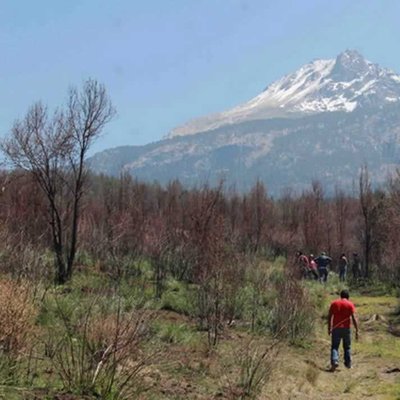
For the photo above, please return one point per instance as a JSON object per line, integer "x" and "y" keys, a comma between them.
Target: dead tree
{"x": 372, "y": 210}
{"x": 341, "y": 216}
{"x": 54, "y": 149}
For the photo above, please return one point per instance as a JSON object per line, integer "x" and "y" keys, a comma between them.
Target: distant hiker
{"x": 322, "y": 262}
{"x": 356, "y": 266}
{"x": 340, "y": 313}
{"x": 342, "y": 267}
{"x": 303, "y": 263}
{"x": 313, "y": 268}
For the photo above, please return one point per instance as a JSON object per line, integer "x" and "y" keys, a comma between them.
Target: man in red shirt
{"x": 341, "y": 313}
{"x": 303, "y": 263}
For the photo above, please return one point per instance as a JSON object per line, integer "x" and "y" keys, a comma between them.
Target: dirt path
{"x": 305, "y": 374}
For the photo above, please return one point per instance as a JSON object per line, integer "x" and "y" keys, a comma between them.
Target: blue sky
{"x": 166, "y": 61}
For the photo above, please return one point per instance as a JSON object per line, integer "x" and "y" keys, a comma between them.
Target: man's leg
{"x": 335, "y": 348}
{"x": 322, "y": 274}
{"x": 347, "y": 347}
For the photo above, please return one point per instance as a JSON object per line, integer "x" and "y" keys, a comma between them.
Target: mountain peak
{"x": 350, "y": 64}
{"x": 350, "y": 55}
{"x": 342, "y": 84}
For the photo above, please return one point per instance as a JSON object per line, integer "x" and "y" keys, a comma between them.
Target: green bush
{"x": 177, "y": 297}
{"x": 256, "y": 306}
{"x": 294, "y": 314}
{"x": 170, "y": 332}
{"x": 319, "y": 295}
{"x": 95, "y": 347}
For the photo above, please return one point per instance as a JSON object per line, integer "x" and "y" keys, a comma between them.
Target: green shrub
{"x": 170, "y": 332}
{"x": 249, "y": 368}
{"x": 319, "y": 295}
{"x": 294, "y": 314}
{"x": 84, "y": 259}
{"x": 98, "y": 351}
{"x": 177, "y": 297}
{"x": 256, "y": 306}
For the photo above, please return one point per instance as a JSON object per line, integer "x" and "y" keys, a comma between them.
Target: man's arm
{"x": 330, "y": 315}
{"x": 355, "y": 322}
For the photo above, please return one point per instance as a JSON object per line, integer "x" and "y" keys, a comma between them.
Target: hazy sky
{"x": 166, "y": 61}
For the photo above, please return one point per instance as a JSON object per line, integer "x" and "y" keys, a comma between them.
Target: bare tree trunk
{"x": 367, "y": 205}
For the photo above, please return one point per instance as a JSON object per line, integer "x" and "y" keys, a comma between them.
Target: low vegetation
{"x": 93, "y": 338}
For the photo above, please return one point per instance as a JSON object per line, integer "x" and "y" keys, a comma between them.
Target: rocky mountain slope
{"x": 322, "y": 122}
{"x": 342, "y": 84}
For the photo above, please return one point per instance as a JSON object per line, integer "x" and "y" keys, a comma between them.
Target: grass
{"x": 177, "y": 333}
{"x": 312, "y": 374}
{"x": 303, "y": 372}
{"x": 178, "y": 297}
{"x": 186, "y": 368}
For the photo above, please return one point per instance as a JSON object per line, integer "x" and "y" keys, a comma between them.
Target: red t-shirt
{"x": 303, "y": 260}
{"x": 342, "y": 310}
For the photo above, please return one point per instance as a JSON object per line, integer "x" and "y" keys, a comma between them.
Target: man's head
{"x": 344, "y": 294}
{"x": 323, "y": 253}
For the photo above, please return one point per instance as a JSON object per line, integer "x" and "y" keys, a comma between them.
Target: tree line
{"x": 188, "y": 232}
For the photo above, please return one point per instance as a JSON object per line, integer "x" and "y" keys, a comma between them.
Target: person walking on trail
{"x": 342, "y": 267}
{"x": 322, "y": 262}
{"x": 341, "y": 312}
{"x": 313, "y": 267}
{"x": 303, "y": 263}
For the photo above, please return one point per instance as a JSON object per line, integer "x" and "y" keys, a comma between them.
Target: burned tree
{"x": 372, "y": 206}
{"x": 54, "y": 149}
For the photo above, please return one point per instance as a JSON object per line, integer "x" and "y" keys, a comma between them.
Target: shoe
{"x": 348, "y": 366}
{"x": 334, "y": 365}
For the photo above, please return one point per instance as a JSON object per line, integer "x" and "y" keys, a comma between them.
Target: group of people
{"x": 318, "y": 267}
{"x": 341, "y": 311}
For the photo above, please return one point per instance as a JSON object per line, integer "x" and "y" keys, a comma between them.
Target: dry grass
{"x": 312, "y": 374}
{"x": 17, "y": 316}
{"x": 101, "y": 353}
{"x": 251, "y": 368}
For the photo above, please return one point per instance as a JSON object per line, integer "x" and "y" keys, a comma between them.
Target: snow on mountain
{"x": 342, "y": 84}
{"x": 263, "y": 138}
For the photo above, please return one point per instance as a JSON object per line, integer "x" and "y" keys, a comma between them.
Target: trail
{"x": 189, "y": 371}
{"x": 305, "y": 374}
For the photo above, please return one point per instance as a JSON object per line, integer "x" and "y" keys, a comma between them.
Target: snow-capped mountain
{"x": 322, "y": 122}
{"x": 342, "y": 84}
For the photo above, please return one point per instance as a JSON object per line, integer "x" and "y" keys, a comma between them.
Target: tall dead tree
{"x": 54, "y": 149}
{"x": 372, "y": 210}
{"x": 341, "y": 216}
